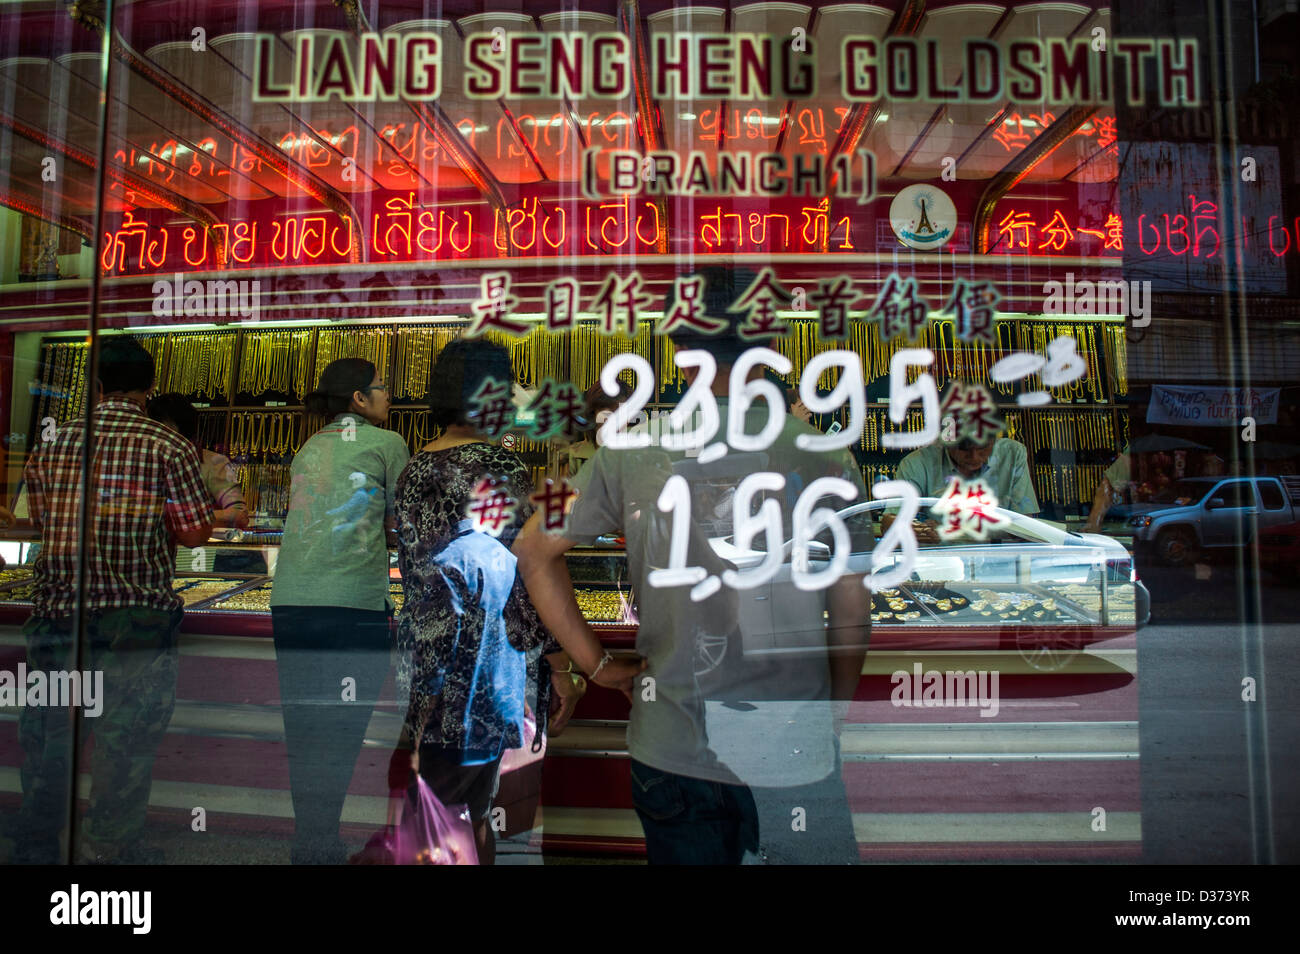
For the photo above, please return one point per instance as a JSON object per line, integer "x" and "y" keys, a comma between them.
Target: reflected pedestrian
{"x": 330, "y": 607}
{"x": 147, "y": 497}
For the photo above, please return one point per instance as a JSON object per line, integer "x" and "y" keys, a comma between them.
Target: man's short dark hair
{"x": 970, "y": 443}
{"x": 124, "y": 365}
{"x": 723, "y": 286}
{"x": 458, "y": 374}
{"x": 176, "y": 411}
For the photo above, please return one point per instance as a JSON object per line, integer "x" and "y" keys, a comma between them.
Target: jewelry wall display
{"x": 417, "y": 350}
{"x": 1116, "y": 342}
{"x": 1014, "y": 425}
{"x": 526, "y": 445}
{"x": 864, "y": 340}
{"x": 373, "y": 344}
{"x": 878, "y": 423}
{"x": 801, "y": 343}
{"x": 157, "y": 346}
{"x": 289, "y": 362}
{"x": 63, "y": 381}
{"x": 538, "y": 355}
{"x": 874, "y": 473}
{"x": 1071, "y": 486}
{"x": 589, "y": 350}
{"x": 212, "y": 429}
{"x": 255, "y": 433}
{"x": 275, "y": 361}
{"x": 265, "y": 486}
{"x": 1034, "y": 336}
{"x": 1045, "y": 483}
{"x": 199, "y": 364}
{"x": 1071, "y": 430}
{"x": 670, "y": 376}
{"x": 1086, "y": 335}
{"x": 414, "y": 427}
{"x": 314, "y": 423}
{"x": 1090, "y": 476}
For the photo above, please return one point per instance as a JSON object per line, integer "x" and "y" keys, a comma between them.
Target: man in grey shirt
{"x": 733, "y": 730}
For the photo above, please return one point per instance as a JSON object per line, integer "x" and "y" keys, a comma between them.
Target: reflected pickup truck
{"x": 1203, "y": 513}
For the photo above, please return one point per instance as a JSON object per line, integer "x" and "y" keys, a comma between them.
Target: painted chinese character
{"x": 621, "y": 299}
{"x": 493, "y": 307}
{"x": 557, "y": 406}
{"x": 833, "y": 298}
{"x": 688, "y": 309}
{"x": 561, "y": 304}
{"x": 1058, "y": 232}
{"x": 899, "y": 310}
{"x": 553, "y": 502}
{"x": 491, "y": 507}
{"x": 969, "y": 510}
{"x": 973, "y": 411}
{"x": 491, "y": 408}
{"x": 972, "y": 307}
{"x": 759, "y": 302}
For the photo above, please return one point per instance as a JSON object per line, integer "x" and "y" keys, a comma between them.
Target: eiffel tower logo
{"x": 924, "y": 225}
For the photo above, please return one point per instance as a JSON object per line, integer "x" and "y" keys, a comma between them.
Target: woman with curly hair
{"x": 468, "y": 631}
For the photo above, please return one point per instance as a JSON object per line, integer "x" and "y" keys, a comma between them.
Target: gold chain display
{"x": 1116, "y": 341}
{"x": 590, "y": 349}
{"x": 801, "y": 344}
{"x": 373, "y": 344}
{"x": 275, "y": 361}
{"x": 199, "y": 364}
{"x": 535, "y": 356}
{"x": 289, "y": 362}
{"x": 417, "y": 351}
{"x": 63, "y": 381}
{"x": 414, "y": 427}
{"x": 265, "y": 487}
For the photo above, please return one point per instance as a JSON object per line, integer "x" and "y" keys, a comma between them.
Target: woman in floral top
{"x": 467, "y": 625}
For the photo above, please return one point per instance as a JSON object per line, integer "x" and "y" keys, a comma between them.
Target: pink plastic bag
{"x": 431, "y": 833}
{"x": 516, "y": 759}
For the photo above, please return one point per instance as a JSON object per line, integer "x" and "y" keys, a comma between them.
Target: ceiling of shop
{"x": 185, "y": 129}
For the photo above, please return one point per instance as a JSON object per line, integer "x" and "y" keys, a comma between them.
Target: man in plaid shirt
{"x": 147, "y": 496}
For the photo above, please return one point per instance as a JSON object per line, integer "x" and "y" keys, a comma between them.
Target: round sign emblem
{"x": 508, "y": 441}
{"x": 923, "y": 217}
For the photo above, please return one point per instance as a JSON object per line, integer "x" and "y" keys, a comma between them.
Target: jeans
{"x": 325, "y": 717}
{"x": 692, "y": 821}
{"x": 135, "y": 650}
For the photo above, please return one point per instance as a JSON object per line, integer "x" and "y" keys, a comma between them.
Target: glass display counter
{"x": 1034, "y": 575}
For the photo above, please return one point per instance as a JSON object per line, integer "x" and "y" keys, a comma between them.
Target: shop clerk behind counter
{"x": 1003, "y": 464}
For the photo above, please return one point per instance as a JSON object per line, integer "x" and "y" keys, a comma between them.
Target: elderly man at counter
{"x": 1003, "y": 465}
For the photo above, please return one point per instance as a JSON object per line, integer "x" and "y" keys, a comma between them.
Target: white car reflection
{"x": 1031, "y": 575}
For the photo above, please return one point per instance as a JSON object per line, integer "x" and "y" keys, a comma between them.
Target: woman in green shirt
{"x": 329, "y": 603}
